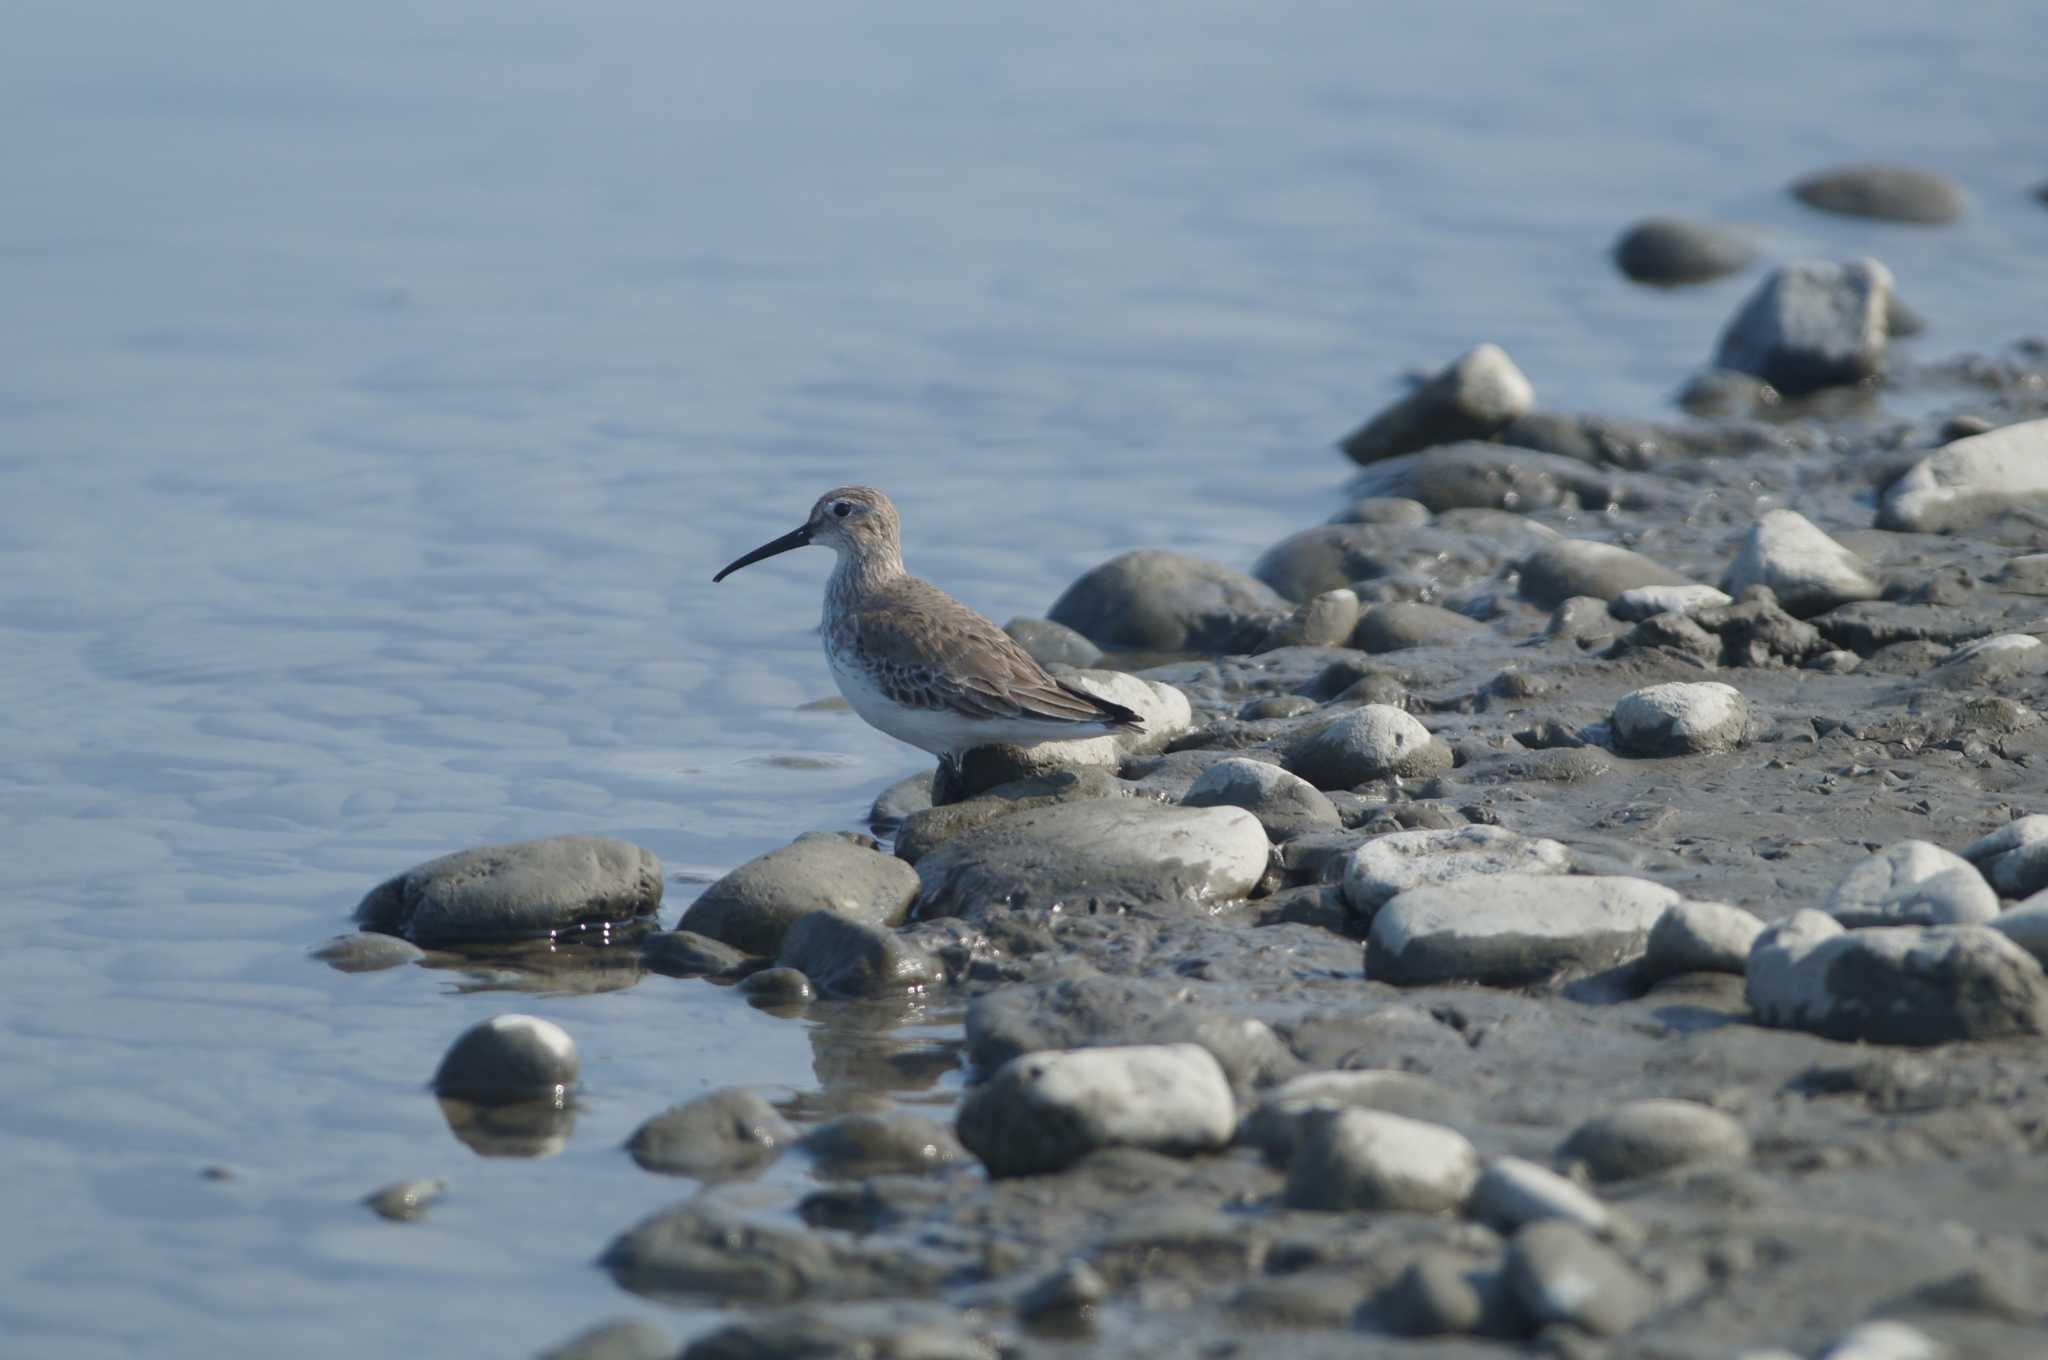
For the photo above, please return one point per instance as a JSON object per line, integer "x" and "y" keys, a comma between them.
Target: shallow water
{"x": 382, "y": 388}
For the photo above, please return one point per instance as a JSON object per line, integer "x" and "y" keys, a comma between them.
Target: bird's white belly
{"x": 940, "y": 730}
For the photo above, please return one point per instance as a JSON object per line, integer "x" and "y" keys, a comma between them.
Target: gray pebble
{"x": 778, "y": 987}
{"x": 847, "y": 958}
{"x": 1889, "y": 193}
{"x": 367, "y": 952}
{"x": 1436, "y": 1294}
{"x": 1156, "y": 601}
{"x": 1512, "y": 1192}
{"x": 881, "y": 1143}
{"x": 1053, "y": 644}
{"x": 1560, "y": 1274}
{"x": 1971, "y": 480}
{"x": 1276, "y": 1123}
{"x": 2026, "y": 925}
{"x": 1644, "y": 602}
{"x": 684, "y": 953}
{"x": 1811, "y": 325}
{"x": 725, "y": 1133}
{"x": 752, "y": 907}
{"x": 1808, "y": 571}
{"x": 1700, "y": 937}
{"x": 1884, "y": 1339}
{"x": 1512, "y": 930}
{"x": 523, "y": 890}
{"x": 1276, "y": 706}
{"x": 1377, "y": 741}
{"x": 1383, "y": 510}
{"x": 1042, "y": 1112}
{"x": 1478, "y": 393}
{"x": 1672, "y": 250}
{"x": 1400, "y": 860}
{"x": 1404, "y": 624}
{"x": 508, "y": 1058}
{"x": 1285, "y": 804}
{"x": 1680, "y": 719}
{"x": 404, "y": 1201}
{"x": 1324, "y": 620}
{"x": 1645, "y": 1137}
{"x": 1347, "y": 1159}
{"x": 1912, "y": 883}
{"x": 1558, "y": 571}
{"x": 911, "y": 794}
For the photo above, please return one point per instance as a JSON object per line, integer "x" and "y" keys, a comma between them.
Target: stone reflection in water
{"x": 582, "y": 961}
{"x": 859, "y": 1047}
{"x": 528, "y": 1128}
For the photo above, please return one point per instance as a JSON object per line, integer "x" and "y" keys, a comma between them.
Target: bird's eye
{"x": 841, "y": 509}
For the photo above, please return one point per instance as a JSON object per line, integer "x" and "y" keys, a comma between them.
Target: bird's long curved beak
{"x": 795, "y": 538}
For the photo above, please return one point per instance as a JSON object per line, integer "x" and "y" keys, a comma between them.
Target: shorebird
{"x": 915, "y": 662}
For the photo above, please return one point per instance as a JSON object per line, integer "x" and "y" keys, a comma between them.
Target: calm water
{"x": 381, "y": 387}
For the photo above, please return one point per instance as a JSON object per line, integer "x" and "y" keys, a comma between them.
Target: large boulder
{"x": 1157, "y": 601}
{"x": 522, "y": 890}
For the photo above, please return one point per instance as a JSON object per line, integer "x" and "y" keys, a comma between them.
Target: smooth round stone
{"x": 684, "y": 954}
{"x": 847, "y": 958}
{"x": 1156, "y": 601}
{"x": 902, "y": 799}
{"x": 1275, "y": 1124}
{"x": 1377, "y": 741}
{"x": 1700, "y": 937}
{"x": 1560, "y": 1274}
{"x": 1043, "y": 1112}
{"x": 1512, "y": 1192}
{"x": 1065, "y": 1300}
{"x": 1400, "y": 860}
{"x": 1347, "y": 1159}
{"x": 1915, "y": 985}
{"x": 710, "y": 1250}
{"x": 1285, "y": 804}
{"x": 1912, "y": 883}
{"x": 1512, "y": 930}
{"x": 923, "y": 832}
{"x": 754, "y": 906}
{"x": 1889, "y": 193}
{"x": 774, "y": 987}
{"x": 1483, "y": 475}
{"x": 405, "y": 1201}
{"x": 1276, "y": 706}
{"x": 1646, "y": 602}
{"x": 1383, "y": 510}
{"x": 1570, "y": 567}
{"x": 880, "y": 1143}
{"x": 1121, "y": 853}
{"x": 2016, "y": 834}
{"x": 623, "y": 1339}
{"x": 1884, "y": 1339}
{"x": 717, "y": 1135}
{"x": 367, "y": 952}
{"x": 1324, "y": 620}
{"x": 1672, "y": 250}
{"x": 1052, "y": 644}
{"x": 1681, "y": 719}
{"x": 1811, "y": 325}
{"x": 522, "y": 890}
{"x": 1480, "y": 391}
{"x": 1434, "y": 1295}
{"x": 1403, "y": 624}
{"x": 1809, "y": 572}
{"x": 1645, "y": 1137}
{"x": 508, "y": 1058}
{"x": 1971, "y": 480}
{"x": 2026, "y": 925}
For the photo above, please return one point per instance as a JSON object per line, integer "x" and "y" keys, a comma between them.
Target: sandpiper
{"x": 918, "y": 664}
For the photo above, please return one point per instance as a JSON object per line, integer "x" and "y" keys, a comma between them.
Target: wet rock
{"x": 1114, "y": 855}
{"x": 1700, "y": 937}
{"x": 1870, "y": 626}
{"x": 1512, "y": 1192}
{"x": 1286, "y": 805}
{"x": 1913, "y": 985}
{"x": 776, "y": 988}
{"x": 704, "y": 1250}
{"x": 866, "y": 1331}
{"x": 1991, "y": 659}
{"x": 1436, "y": 1294}
{"x": 367, "y": 952}
{"x": 1277, "y": 706}
{"x": 1756, "y": 632}
{"x": 714, "y": 1136}
{"x": 1558, "y": 1273}
{"x": 1377, "y": 741}
{"x": 1310, "y": 1300}
{"x": 847, "y": 958}
{"x": 522, "y": 890}
{"x": 754, "y": 906}
{"x": 1889, "y": 193}
{"x": 1163, "y": 708}
{"x": 1404, "y": 624}
{"x": 1276, "y": 1124}
{"x": 1645, "y": 1137}
{"x": 1478, "y": 393}
{"x": 1400, "y": 860}
{"x": 1383, "y": 510}
{"x": 1912, "y": 883}
{"x": 508, "y": 1058}
{"x": 909, "y": 795}
{"x": 1811, "y": 325}
{"x": 1044, "y": 1111}
{"x": 2015, "y": 857}
{"x": 1460, "y": 548}
{"x": 925, "y": 831}
{"x": 684, "y": 953}
{"x": 1155, "y": 601}
{"x": 1348, "y": 1159}
{"x": 1512, "y": 930}
{"x": 1884, "y": 1339}
{"x": 1481, "y": 475}
{"x": 623, "y": 1339}
{"x": 1962, "y": 484}
{"x": 405, "y": 1201}
{"x": 882, "y": 1143}
{"x": 1672, "y": 250}
{"x": 1053, "y": 644}
{"x": 2026, "y": 925}
{"x": 1586, "y": 621}
{"x": 1326, "y": 620}
{"x": 1064, "y": 1302}
{"x": 1569, "y": 567}
{"x": 1808, "y": 571}
{"x": 1678, "y": 634}
{"x": 1644, "y": 602}
{"x": 1681, "y": 719}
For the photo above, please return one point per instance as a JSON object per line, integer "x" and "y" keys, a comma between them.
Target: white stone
{"x": 1513, "y": 1191}
{"x": 1681, "y": 719}
{"x": 1044, "y": 1111}
{"x": 1511, "y": 930}
{"x": 1700, "y": 937}
{"x": 1912, "y": 883}
{"x": 1367, "y": 1159}
{"x": 1285, "y": 804}
{"x": 1646, "y": 602}
{"x": 1808, "y": 571}
{"x": 1644, "y": 1137}
{"x": 1399, "y": 860}
{"x": 1989, "y": 646}
{"x": 1274, "y": 1126}
{"x": 1376, "y": 741}
{"x": 2021, "y": 831}
{"x": 1884, "y": 1340}
{"x": 2026, "y": 925}
{"x": 1970, "y": 480}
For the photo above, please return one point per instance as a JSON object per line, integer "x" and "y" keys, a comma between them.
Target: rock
{"x": 1671, "y": 250}
{"x": 923, "y": 832}
{"x": 862, "y": 1331}
{"x": 1512, "y": 1192}
{"x": 524, "y": 890}
{"x": 754, "y": 906}
{"x": 1460, "y": 548}
{"x": 1808, "y": 571}
{"x": 907, "y": 796}
{"x": 1560, "y": 1274}
{"x": 1884, "y": 1339}
{"x": 405, "y": 1201}
{"x": 684, "y": 953}
{"x": 1512, "y": 930}
{"x": 1053, "y": 644}
{"x": 1964, "y": 483}
{"x": 1276, "y": 1123}
{"x": 1681, "y": 719}
{"x": 1374, "y": 742}
{"x": 1164, "y": 710}
{"x": 1478, "y": 393}
{"x": 1758, "y": 633}
{"x": 1913, "y": 985}
{"x": 1912, "y": 883}
{"x": 1350, "y": 1159}
{"x": 1286, "y": 805}
{"x": 1558, "y": 571}
{"x": 1870, "y": 626}
{"x": 1045, "y": 1111}
{"x": 1436, "y": 1294}
{"x": 1586, "y": 621}
{"x": 367, "y": 952}
{"x": 1065, "y": 1300}
{"x": 2015, "y": 857}
{"x": 1383, "y": 510}
{"x": 703, "y": 1250}
{"x": 623, "y": 1339}
{"x": 2026, "y": 925}
{"x": 1644, "y": 602}
{"x": 1276, "y": 706}
{"x": 882, "y": 1143}
{"x": 1700, "y": 937}
{"x": 1400, "y": 860}
{"x": 1326, "y": 620}
{"x": 848, "y": 958}
{"x": 1482, "y": 475}
{"x": 1403, "y": 624}
{"x": 1889, "y": 193}
{"x": 1645, "y": 1137}
{"x": 1113, "y": 854}
{"x": 508, "y": 1058}
{"x": 777, "y": 988}
{"x": 1811, "y": 325}
{"x": 723, "y": 1134}
{"x": 1154, "y": 601}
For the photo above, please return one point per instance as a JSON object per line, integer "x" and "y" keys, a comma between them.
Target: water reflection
{"x": 530, "y": 1128}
